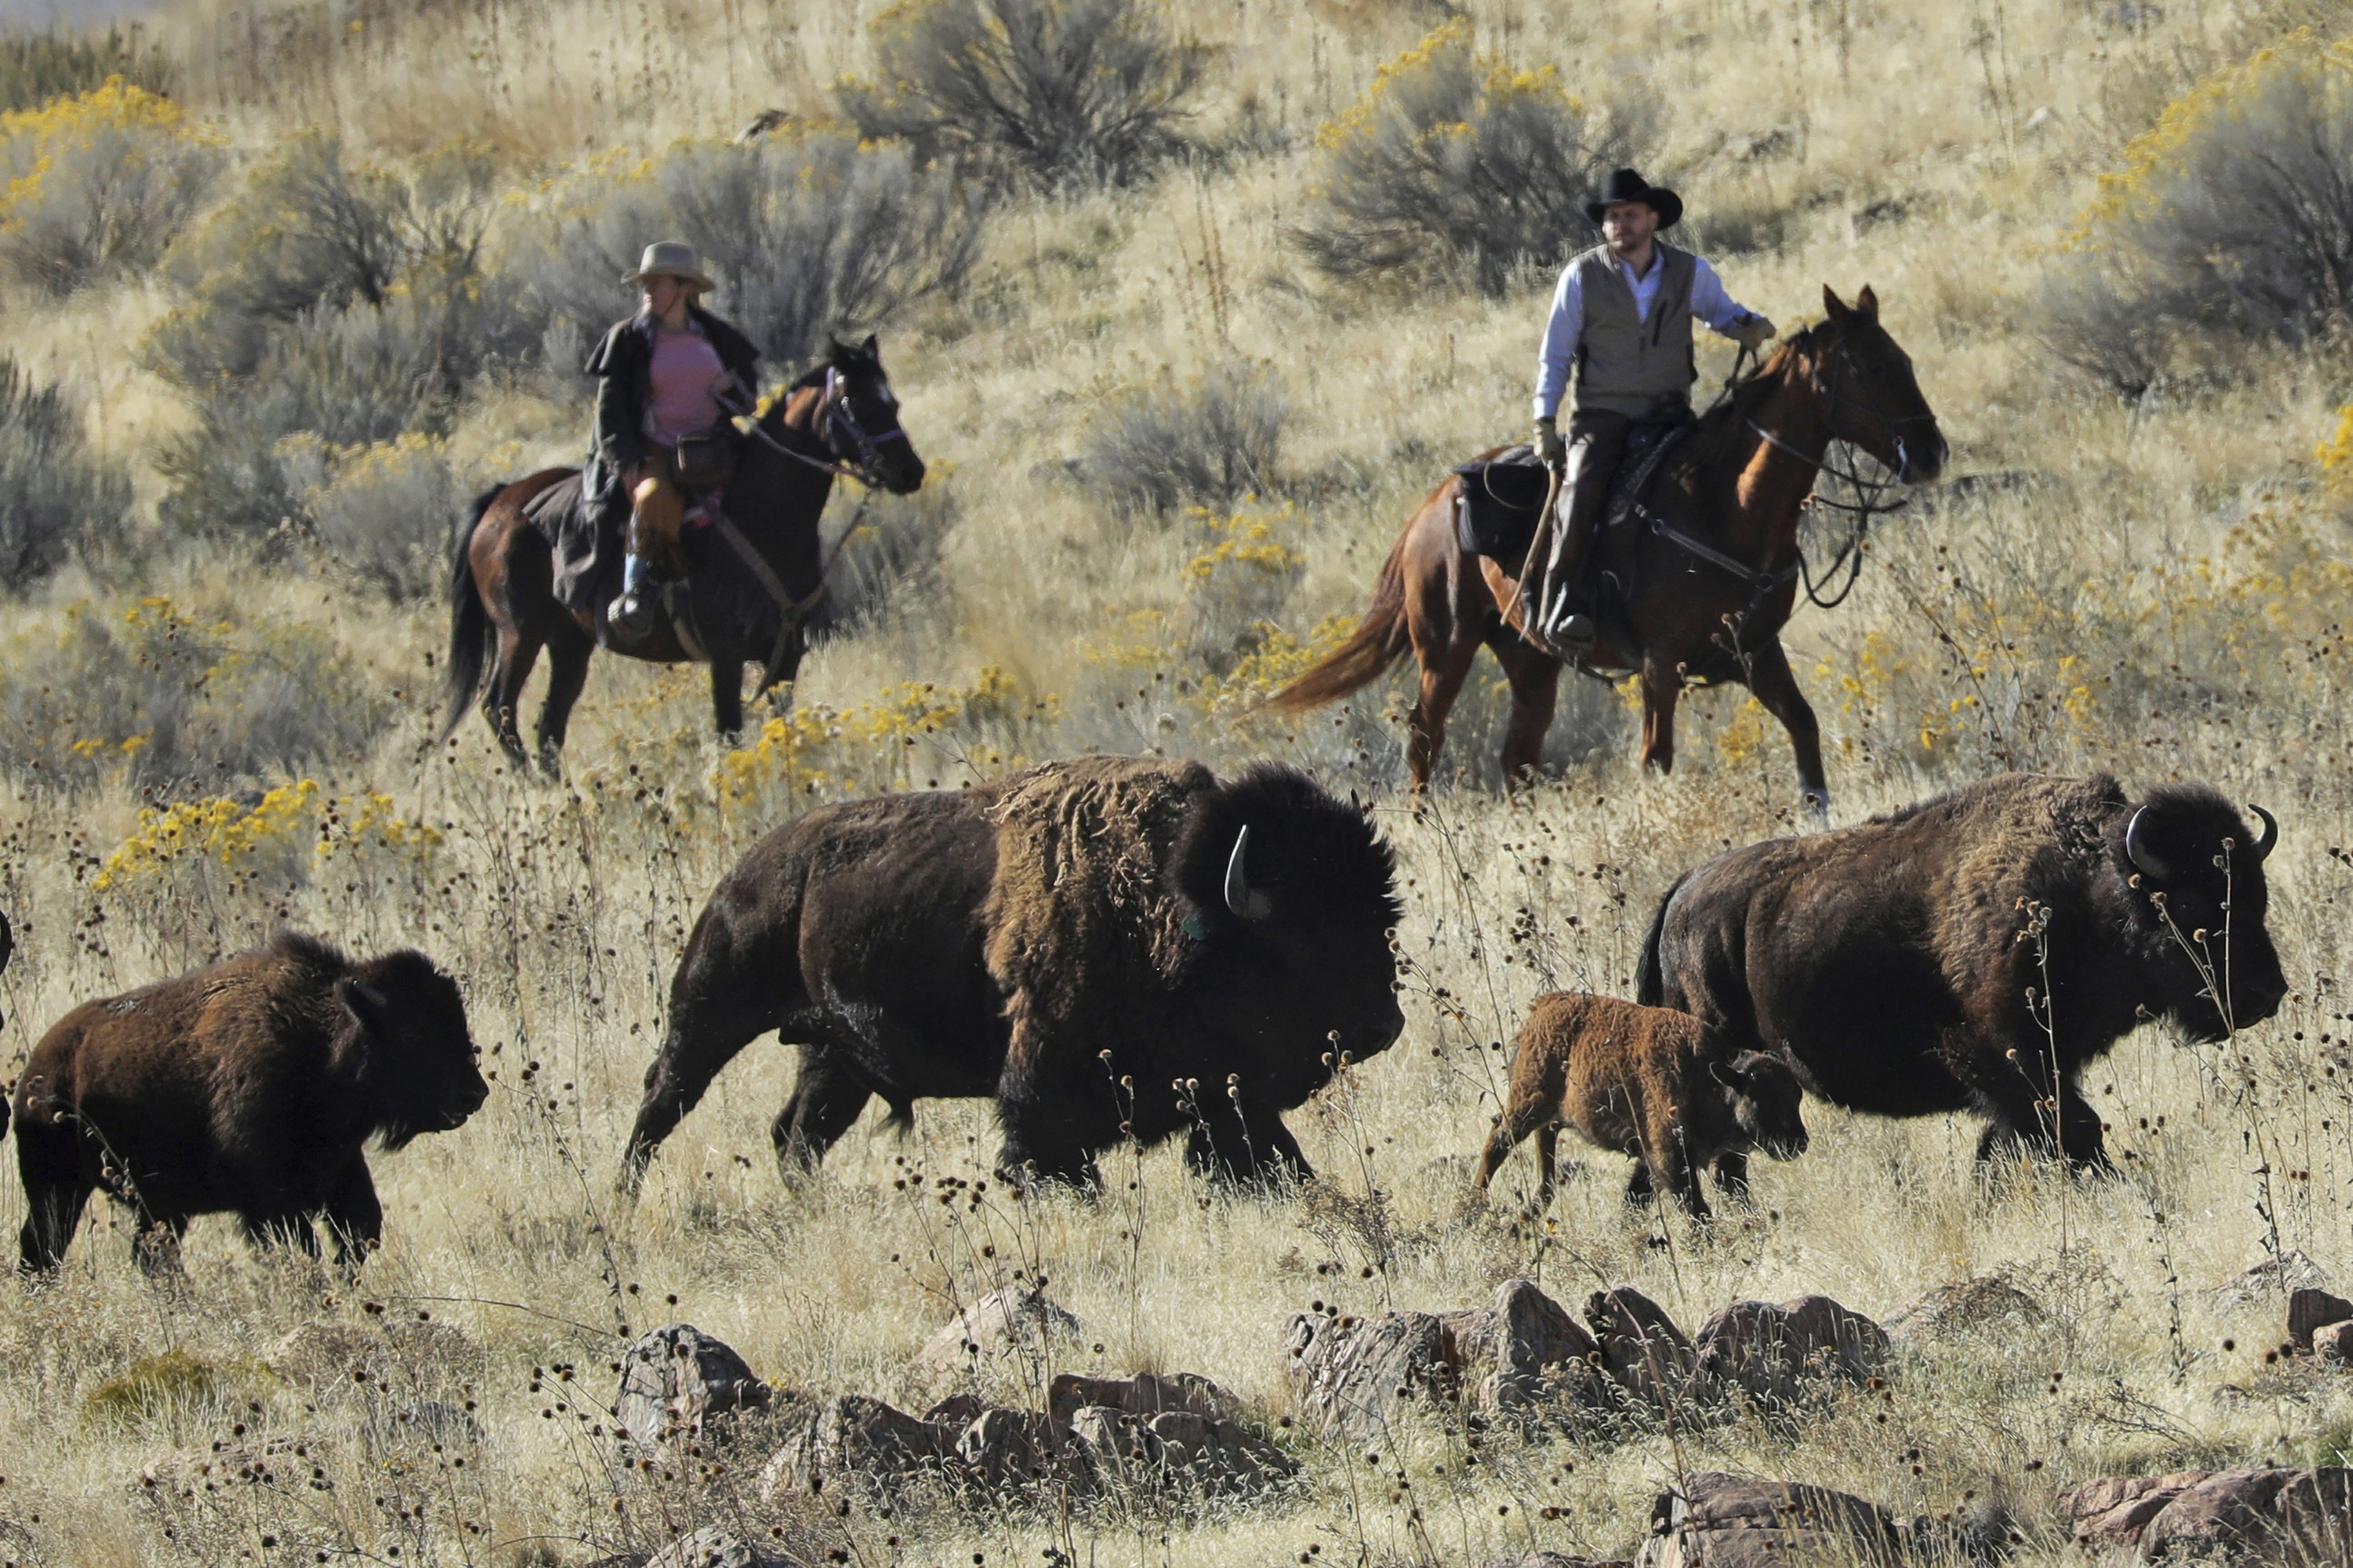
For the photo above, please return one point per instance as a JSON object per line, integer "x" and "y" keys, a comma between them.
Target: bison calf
{"x": 250, "y": 1088}
{"x": 1647, "y": 1081}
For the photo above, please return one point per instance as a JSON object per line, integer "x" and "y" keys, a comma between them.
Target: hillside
{"x": 1167, "y": 454}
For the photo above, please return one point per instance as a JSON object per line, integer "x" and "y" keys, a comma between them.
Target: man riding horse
{"x": 667, "y": 377}
{"x": 1621, "y": 323}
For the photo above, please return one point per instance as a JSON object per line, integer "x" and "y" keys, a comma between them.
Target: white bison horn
{"x": 1240, "y": 897}
{"x": 2270, "y": 837}
{"x": 2140, "y": 855}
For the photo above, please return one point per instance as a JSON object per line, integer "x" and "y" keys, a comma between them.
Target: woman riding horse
{"x": 666, "y": 374}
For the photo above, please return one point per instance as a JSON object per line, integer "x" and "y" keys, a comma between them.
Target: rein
{"x": 1866, "y": 504}
{"x": 833, "y": 413}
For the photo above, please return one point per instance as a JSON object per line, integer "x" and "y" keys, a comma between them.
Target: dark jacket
{"x": 623, "y": 365}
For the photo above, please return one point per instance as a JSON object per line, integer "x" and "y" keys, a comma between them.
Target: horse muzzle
{"x": 1919, "y": 461}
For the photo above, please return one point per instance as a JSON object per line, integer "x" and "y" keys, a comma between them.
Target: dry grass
{"x": 2157, "y": 590}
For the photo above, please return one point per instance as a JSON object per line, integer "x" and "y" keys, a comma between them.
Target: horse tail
{"x": 1380, "y": 640}
{"x": 1650, "y": 974}
{"x": 469, "y": 618}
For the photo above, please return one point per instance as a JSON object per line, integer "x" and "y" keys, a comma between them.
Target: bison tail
{"x": 902, "y": 1119}
{"x": 1380, "y": 640}
{"x": 1650, "y": 974}
{"x": 469, "y": 618}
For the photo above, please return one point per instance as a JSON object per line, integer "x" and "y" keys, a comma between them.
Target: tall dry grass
{"x": 2154, "y": 588}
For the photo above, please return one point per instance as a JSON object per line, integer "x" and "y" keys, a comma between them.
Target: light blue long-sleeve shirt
{"x": 1709, "y": 302}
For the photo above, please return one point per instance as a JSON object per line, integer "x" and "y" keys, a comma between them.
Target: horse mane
{"x": 1722, "y": 425}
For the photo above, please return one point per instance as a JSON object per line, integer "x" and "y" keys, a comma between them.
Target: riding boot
{"x": 632, "y": 614}
{"x": 1555, "y": 623}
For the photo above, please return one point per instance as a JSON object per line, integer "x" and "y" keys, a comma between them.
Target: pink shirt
{"x": 685, "y": 368}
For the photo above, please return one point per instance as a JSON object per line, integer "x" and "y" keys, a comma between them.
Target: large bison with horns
{"x": 1910, "y": 964}
{"x": 1107, "y": 946}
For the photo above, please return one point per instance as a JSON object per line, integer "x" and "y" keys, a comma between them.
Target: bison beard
{"x": 250, "y": 1086}
{"x": 1107, "y": 946}
{"x": 1886, "y": 958}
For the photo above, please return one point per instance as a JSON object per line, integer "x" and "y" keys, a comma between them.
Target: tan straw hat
{"x": 669, "y": 258}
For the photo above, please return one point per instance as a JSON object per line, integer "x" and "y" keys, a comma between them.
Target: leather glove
{"x": 1550, "y": 448}
{"x": 1754, "y": 332}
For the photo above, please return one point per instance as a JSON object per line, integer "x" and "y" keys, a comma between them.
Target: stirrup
{"x": 632, "y": 614}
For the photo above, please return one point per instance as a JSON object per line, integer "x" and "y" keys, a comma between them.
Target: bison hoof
{"x": 1817, "y": 802}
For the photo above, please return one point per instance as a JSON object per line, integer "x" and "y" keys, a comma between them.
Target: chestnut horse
{"x": 840, "y": 418}
{"x": 1708, "y": 569}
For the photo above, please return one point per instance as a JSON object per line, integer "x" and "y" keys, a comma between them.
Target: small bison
{"x": 1647, "y": 1081}
{"x": 250, "y": 1086}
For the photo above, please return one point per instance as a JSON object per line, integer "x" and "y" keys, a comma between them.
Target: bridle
{"x": 833, "y": 419}
{"x": 1868, "y": 494}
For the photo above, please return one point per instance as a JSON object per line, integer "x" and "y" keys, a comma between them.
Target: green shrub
{"x": 37, "y": 67}
{"x": 1452, "y": 165}
{"x": 56, "y": 495}
{"x": 96, "y": 185}
{"x": 803, "y": 235}
{"x": 1208, "y": 442}
{"x": 149, "y": 694}
{"x": 154, "y": 1387}
{"x": 2231, "y": 218}
{"x": 381, "y": 515}
{"x": 330, "y": 301}
{"x": 1055, "y": 89}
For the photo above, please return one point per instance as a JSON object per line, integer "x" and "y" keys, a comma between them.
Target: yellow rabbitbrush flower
{"x": 824, "y": 752}
{"x": 2140, "y": 190}
{"x": 2335, "y": 455}
{"x": 286, "y": 831}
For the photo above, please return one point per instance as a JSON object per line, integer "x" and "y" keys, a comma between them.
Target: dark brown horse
{"x": 840, "y": 418}
{"x": 1708, "y": 577}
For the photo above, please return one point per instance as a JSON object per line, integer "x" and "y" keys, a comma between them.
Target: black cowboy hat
{"x": 1625, "y": 184}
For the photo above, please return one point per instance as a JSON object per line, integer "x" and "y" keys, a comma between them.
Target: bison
{"x": 1974, "y": 951}
{"x": 1107, "y": 946}
{"x": 1647, "y": 1082}
{"x": 250, "y": 1086}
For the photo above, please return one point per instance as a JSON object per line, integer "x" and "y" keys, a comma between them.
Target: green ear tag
{"x": 1193, "y": 926}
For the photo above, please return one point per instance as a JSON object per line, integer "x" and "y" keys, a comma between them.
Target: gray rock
{"x": 854, "y": 1440}
{"x": 1543, "y": 1361}
{"x": 1356, "y": 1376}
{"x": 1006, "y": 1322}
{"x": 1774, "y": 1354}
{"x": 2301, "y": 1519}
{"x": 2264, "y": 1514}
{"x": 2333, "y": 1343}
{"x": 677, "y": 1384}
{"x": 1007, "y": 1450}
{"x": 1976, "y": 1308}
{"x": 2110, "y": 1512}
{"x": 2308, "y": 1310}
{"x": 1146, "y": 1393}
{"x": 1642, "y": 1348}
{"x": 2290, "y": 1271}
{"x": 1719, "y": 1520}
{"x": 1179, "y": 1448}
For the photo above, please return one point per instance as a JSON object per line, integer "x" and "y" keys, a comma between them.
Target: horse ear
{"x": 872, "y": 348}
{"x": 1835, "y": 305}
{"x": 1868, "y": 303}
